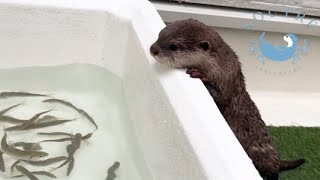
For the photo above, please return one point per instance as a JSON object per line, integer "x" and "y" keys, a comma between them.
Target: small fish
{"x": 28, "y": 146}
{"x": 70, "y": 166}
{"x": 111, "y": 171}
{"x": 69, "y": 148}
{"x": 32, "y": 120}
{"x": 87, "y": 136}
{"x": 46, "y": 162}
{"x": 20, "y": 154}
{"x": 57, "y": 140}
{"x": 2, "y": 112}
{"x": 38, "y": 125}
{"x": 47, "y": 118}
{"x": 11, "y": 120}
{"x": 55, "y": 134}
{"x": 2, "y": 165}
{"x": 18, "y": 94}
{"x": 26, "y": 172}
{"x": 76, "y": 142}
{"x": 25, "y": 123}
{"x": 43, "y": 173}
{"x": 61, "y": 102}
{"x": 14, "y": 165}
{"x": 71, "y": 162}
{"x": 80, "y": 111}
{"x": 75, "y": 145}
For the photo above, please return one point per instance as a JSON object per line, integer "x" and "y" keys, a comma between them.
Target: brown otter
{"x": 199, "y": 48}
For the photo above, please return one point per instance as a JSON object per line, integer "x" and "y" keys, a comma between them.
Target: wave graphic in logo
{"x": 279, "y": 53}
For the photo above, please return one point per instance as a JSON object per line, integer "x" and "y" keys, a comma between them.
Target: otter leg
{"x": 194, "y": 73}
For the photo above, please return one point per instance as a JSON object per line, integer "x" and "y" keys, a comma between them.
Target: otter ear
{"x": 205, "y": 45}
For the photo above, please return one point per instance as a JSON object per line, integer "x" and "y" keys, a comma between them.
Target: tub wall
{"x": 48, "y": 35}
{"x": 163, "y": 131}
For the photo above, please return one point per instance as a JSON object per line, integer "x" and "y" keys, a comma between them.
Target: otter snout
{"x": 154, "y": 50}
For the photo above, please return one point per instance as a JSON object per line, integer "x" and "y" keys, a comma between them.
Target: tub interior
{"x": 80, "y": 53}
{"x": 91, "y": 88}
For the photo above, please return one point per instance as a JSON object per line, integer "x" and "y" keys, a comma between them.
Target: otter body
{"x": 199, "y": 48}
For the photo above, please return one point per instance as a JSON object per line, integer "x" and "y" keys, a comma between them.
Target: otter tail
{"x": 287, "y": 165}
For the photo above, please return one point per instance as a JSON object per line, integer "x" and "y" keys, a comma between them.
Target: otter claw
{"x": 194, "y": 73}
{"x": 189, "y": 71}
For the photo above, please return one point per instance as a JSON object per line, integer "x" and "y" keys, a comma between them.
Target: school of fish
{"x": 31, "y": 153}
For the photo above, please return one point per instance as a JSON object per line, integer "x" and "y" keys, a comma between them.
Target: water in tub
{"x": 91, "y": 88}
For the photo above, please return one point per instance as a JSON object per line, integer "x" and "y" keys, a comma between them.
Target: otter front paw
{"x": 195, "y": 73}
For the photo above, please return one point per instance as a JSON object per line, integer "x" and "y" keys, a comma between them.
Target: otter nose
{"x": 154, "y": 50}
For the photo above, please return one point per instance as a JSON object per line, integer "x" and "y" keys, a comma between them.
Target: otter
{"x": 192, "y": 45}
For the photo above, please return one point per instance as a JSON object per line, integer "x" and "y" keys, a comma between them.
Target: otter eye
{"x": 173, "y": 47}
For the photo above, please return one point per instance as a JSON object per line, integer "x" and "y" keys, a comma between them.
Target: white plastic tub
{"x": 156, "y": 121}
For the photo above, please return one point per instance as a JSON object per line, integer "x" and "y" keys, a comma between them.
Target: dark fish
{"x": 75, "y": 145}
{"x": 71, "y": 162}
{"x": 80, "y": 111}
{"x": 70, "y": 166}
{"x": 87, "y": 136}
{"x": 71, "y": 149}
{"x": 32, "y": 120}
{"x": 61, "y": 102}
{"x": 111, "y": 171}
{"x": 55, "y": 134}
{"x": 47, "y": 118}
{"x": 25, "y": 123}
{"x": 57, "y": 140}
{"x": 18, "y": 94}
{"x": 11, "y": 120}
{"x": 2, "y": 165}
{"x": 46, "y": 162}
{"x": 43, "y": 173}
{"x": 26, "y": 172}
{"x": 2, "y": 112}
{"x": 25, "y": 155}
{"x": 28, "y": 146}
{"x": 38, "y": 125}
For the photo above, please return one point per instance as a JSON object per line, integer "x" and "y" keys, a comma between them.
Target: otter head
{"x": 183, "y": 44}
{"x": 192, "y": 44}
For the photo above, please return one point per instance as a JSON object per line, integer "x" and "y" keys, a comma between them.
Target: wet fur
{"x": 220, "y": 65}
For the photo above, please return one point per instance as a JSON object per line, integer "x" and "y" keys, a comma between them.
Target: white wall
{"x": 290, "y": 98}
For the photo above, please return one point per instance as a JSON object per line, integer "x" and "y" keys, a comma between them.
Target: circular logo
{"x": 282, "y": 56}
